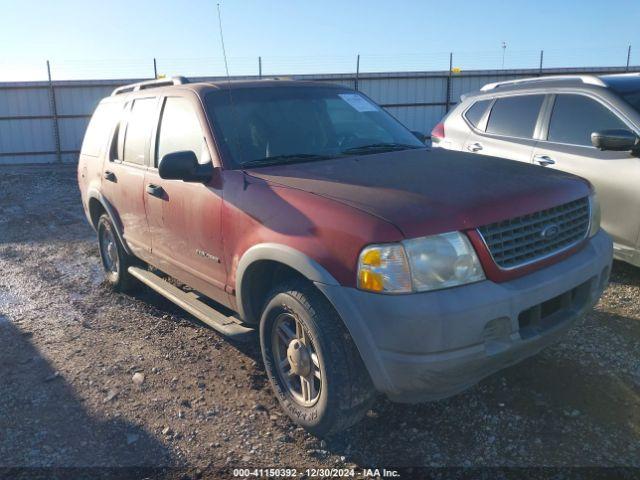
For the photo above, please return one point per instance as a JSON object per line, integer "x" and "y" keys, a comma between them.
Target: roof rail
{"x": 588, "y": 79}
{"x": 160, "y": 82}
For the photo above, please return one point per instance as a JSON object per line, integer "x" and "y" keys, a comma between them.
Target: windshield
{"x": 633, "y": 99}
{"x": 275, "y": 125}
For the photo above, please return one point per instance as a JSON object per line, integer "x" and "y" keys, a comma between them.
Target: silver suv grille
{"x": 532, "y": 237}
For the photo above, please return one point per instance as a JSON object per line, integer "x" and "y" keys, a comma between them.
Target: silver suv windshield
{"x": 260, "y": 126}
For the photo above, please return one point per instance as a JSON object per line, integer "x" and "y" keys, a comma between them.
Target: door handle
{"x": 544, "y": 160}
{"x": 109, "y": 175}
{"x": 155, "y": 190}
{"x": 475, "y": 147}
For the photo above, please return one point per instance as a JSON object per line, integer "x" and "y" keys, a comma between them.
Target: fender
{"x": 330, "y": 288}
{"x": 115, "y": 219}
{"x": 288, "y": 256}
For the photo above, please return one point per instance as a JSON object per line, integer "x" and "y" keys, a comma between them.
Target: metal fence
{"x": 44, "y": 122}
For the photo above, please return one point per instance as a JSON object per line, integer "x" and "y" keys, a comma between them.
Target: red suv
{"x": 367, "y": 262}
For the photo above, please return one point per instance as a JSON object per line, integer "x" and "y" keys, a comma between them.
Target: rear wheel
{"x": 312, "y": 363}
{"x": 115, "y": 260}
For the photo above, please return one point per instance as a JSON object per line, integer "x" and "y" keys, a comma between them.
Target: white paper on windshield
{"x": 358, "y": 102}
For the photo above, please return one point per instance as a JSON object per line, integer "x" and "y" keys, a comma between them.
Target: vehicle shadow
{"x": 625, "y": 274}
{"x": 46, "y": 431}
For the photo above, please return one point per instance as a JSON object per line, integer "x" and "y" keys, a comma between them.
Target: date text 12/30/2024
{"x": 315, "y": 473}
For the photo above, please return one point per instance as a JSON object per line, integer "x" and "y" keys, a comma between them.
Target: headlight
{"x": 442, "y": 261}
{"x": 419, "y": 265}
{"x": 594, "y": 208}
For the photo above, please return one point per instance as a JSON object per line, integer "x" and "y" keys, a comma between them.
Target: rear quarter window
{"x": 100, "y": 126}
{"x": 515, "y": 116}
{"x": 476, "y": 112}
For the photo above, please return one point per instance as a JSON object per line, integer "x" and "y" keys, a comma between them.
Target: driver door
{"x": 184, "y": 217}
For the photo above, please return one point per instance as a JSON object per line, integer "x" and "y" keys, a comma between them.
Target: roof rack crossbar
{"x": 160, "y": 82}
{"x": 587, "y": 79}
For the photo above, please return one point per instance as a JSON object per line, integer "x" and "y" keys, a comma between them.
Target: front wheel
{"x": 312, "y": 363}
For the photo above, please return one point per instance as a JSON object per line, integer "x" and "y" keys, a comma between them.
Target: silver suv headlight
{"x": 419, "y": 265}
{"x": 594, "y": 209}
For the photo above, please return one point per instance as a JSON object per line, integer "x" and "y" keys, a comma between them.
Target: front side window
{"x": 180, "y": 130}
{"x": 476, "y": 112}
{"x": 139, "y": 125}
{"x": 515, "y": 116}
{"x": 258, "y": 126}
{"x": 575, "y": 117}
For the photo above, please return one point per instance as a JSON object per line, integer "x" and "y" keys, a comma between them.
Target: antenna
{"x": 226, "y": 67}
{"x": 224, "y": 51}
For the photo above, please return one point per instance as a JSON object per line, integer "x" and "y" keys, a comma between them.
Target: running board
{"x": 189, "y": 301}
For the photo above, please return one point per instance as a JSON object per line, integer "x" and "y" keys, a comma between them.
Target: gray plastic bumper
{"x": 431, "y": 345}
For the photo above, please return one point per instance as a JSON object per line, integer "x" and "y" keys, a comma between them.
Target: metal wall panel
{"x": 466, "y": 84}
{"x": 17, "y": 136}
{"x": 404, "y": 90}
{"x": 419, "y": 119}
{"x": 72, "y": 132}
{"x": 24, "y": 101}
{"x": 26, "y": 160}
{"x": 403, "y": 93}
{"x": 80, "y": 100}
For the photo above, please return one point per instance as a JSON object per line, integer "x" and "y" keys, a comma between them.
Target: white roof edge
{"x": 588, "y": 79}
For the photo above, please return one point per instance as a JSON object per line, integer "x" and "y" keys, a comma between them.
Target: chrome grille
{"x": 525, "y": 239}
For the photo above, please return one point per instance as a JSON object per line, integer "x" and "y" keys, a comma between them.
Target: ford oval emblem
{"x": 550, "y": 231}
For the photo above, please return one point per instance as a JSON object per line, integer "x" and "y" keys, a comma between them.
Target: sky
{"x": 119, "y": 39}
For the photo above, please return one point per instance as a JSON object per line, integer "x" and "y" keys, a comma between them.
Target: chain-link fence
{"x": 499, "y": 59}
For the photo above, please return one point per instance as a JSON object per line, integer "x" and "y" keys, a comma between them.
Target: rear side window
{"x": 515, "y": 116}
{"x": 180, "y": 130}
{"x": 476, "y": 112}
{"x": 575, "y": 117}
{"x": 136, "y": 141}
{"x": 100, "y": 126}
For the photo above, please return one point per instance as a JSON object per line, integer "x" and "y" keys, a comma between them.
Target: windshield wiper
{"x": 380, "y": 147}
{"x": 283, "y": 159}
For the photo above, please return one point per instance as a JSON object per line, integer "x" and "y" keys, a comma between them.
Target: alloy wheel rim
{"x": 296, "y": 360}
{"x": 109, "y": 250}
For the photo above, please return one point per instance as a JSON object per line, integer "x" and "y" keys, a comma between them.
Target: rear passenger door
{"x": 508, "y": 129}
{"x": 184, "y": 217}
{"x": 123, "y": 173}
{"x": 566, "y": 146}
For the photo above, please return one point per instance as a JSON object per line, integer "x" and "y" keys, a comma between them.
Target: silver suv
{"x": 583, "y": 124}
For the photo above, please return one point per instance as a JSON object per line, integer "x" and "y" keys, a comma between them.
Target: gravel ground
{"x": 69, "y": 350}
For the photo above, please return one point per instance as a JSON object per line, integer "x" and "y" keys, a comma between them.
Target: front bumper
{"x": 431, "y": 345}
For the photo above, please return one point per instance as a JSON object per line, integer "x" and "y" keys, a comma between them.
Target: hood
{"x": 425, "y": 192}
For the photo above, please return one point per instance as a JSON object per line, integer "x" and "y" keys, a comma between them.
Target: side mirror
{"x": 184, "y": 166}
{"x": 420, "y": 136}
{"x": 615, "y": 140}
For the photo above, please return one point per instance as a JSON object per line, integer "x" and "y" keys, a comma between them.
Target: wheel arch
{"x": 263, "y": 262}
{"x": 97, "y": 205}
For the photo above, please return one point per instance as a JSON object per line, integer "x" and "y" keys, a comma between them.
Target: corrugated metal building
{"x": 42, "y": 122}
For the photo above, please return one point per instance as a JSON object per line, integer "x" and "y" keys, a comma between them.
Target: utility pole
{"x": 541, "y": 58}
{"x": 357, "y": 72}
{"x": 628, "y": 58}
{"x": 54, "y": 113}
{"x": 447, "y": 105}
{"x": 155, "y": 69}
{"x": 259, "y": 67}
{"x": 504, "y": 49}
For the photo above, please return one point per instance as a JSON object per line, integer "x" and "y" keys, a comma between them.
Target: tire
{"x": 115, "y": 260}
{"x": 342, "y": 393}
